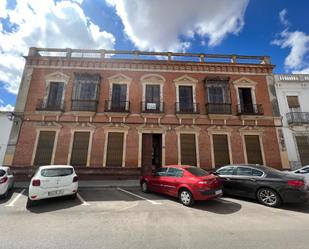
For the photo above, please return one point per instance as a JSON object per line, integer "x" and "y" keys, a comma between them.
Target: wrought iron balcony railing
{"x": 250, "y": 109}
{"x": 218, "y": 108}
{"x": 297, "y": 117}
{"x": 84, "y": 105}
{"x": 113, "y": 106}
{"x": 152, "y": 107}
{"x": 45, "y": 105}
{"x": 187, "y": 108}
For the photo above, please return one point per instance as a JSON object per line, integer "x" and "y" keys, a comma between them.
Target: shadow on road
{"x": 218, "y": 206}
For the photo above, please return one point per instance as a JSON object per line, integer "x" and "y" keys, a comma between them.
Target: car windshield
{"x": 2, "y": 172}
{"x": 54, "y": 172}
{"x": 197, "y": 171}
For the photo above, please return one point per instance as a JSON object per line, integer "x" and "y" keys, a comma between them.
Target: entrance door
{"x": 151, "y": 152}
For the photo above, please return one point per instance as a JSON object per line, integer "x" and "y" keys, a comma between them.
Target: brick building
{"x": 126, "y": 111}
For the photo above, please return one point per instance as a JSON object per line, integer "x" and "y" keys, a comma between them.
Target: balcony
{"x": 298, "y": 118}
{"x": 44, "y": 105}
{"x": 121, "y": 106}
{"x": 84, "y": 105}
{"x": 218, "y": 108}
{"x": 152, "y": 107}
{"x": 250, "y": 109}
{"x": 187, "y": 108}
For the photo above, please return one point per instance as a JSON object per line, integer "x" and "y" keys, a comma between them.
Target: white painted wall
{"x": 5, "y": 130}
{"x": 292, "y": 85}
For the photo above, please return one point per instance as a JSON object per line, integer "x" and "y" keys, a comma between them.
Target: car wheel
{"x": 144, "y": 187}
{"x": 186, "y": 197}
{"x": 268, "y": 197}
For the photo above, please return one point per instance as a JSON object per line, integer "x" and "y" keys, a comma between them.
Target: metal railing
{"x": 45, "y": 105}
{"x": 144, "y": 55}
{"x": 250, "y": 109}
{"x": 152, "y": 107}
{"x": 84, "y": 105}
{"x": 297, "y": 117}
{"x": 218, "y": 108}
{"x": 120, "y": 106}
{"x": 187, "y": 108}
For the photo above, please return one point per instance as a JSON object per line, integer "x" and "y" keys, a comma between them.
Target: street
{"x": 111, "y": 218}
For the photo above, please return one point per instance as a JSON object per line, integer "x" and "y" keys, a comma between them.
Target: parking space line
{"x": 11, "y": 204}
{"x": 140, "y": 197}
{"x": 84, "y": 203}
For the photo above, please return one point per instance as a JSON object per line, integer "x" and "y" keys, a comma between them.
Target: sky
{"x": 277, "y": 28}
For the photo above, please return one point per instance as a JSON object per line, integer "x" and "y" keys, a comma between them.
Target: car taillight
{"x": 296, "y": 183}
{"x": 3, "y": 180}
{"x": 36, "y": 183}
{"x": 75, "y": 178}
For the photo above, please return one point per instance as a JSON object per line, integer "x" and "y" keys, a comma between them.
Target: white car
{"x": 6, "y": 181}
{"x": 52, "y": 181}
{"x": 302, "y": 171}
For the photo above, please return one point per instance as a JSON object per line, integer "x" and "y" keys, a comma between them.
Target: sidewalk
{"x": 93, "y": 184}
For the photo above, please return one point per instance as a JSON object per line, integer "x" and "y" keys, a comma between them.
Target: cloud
{"x": 45, "y": 23}
{"x": 6, "y": 108}
{"x": 282, "y": 17}
{"x": 298, "y": 42}
{"x": 159, "y": 25}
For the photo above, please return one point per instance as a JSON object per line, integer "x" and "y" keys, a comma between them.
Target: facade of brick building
{"x": 116, "y": 111}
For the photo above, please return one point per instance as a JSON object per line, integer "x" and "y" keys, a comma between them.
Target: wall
{"x": 5, "y": 128}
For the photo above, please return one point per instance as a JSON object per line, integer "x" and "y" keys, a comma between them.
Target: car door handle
{"x": 227, "y": 178}
{"x": 252, "y": 179}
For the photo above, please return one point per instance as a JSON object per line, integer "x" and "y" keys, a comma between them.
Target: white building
{"x": 5, "y": 129}
{"x": 293, "y": 98}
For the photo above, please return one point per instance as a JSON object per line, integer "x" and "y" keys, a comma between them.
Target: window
{"x": 215, "y": 95}
{"x": 80, "y": 146}
{"x": 293, "y": 102}
{"x": 55, "y": 172}
{"x": 226, "y": 171}
{"x": 54, "y": 100}
{"x": 44, "y": 148}
{"x": 253, "y": 149}
{"x": 303, "y": 149}
{"x": 119, "y": 97}
{"x": 2, "y": 172}
{"x": 152, "y": 98}
{"x": 160, "y": 172}
{"x": 221, "y": 150}
{"x": 188, "y": 149}
{"x": 174, "y": 172}
{"x": 185, "y": 99}
{"x": 85, "y": 92}
{"x": 245, "y": 171}
{"x": 114, "y": 149}
{"x": 197, "y": 171}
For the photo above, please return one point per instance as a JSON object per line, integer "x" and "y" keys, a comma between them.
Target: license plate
{"x": 218, "y": 192}
{"x": 56, "y": 192}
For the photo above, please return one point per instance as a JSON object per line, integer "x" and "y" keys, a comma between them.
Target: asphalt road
{"x": 120, "y": 218}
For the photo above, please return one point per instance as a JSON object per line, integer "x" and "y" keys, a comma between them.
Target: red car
{"x": 188, "y": 183}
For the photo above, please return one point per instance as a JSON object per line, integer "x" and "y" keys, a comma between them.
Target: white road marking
{"x": 11, "y": 204}
{"x": 84, "y": 203}
{"x": 138, "y": 196}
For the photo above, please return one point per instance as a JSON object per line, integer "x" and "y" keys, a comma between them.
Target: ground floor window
{"x": 45, "y": 146}
{"x": 303, "y": 149}
{"x": 80, "y": 147}
{"x": 221, "y": 150}
{"x": 188, "y": 149}
{"x": 253, "y": 149}
{"x": 114, "y": 151}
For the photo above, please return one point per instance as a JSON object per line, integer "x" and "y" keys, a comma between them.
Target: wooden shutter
{"x": 293, "y": 101}
{"x": 114, "y": 149}
{"x": 45, "y": 147}
{"x": 188, "y": 149}
{"x": 80, "y": 149}
{"x": 253, "y": 149}
{"x": 221, "y": 150}
{"x": 303, "y": 149}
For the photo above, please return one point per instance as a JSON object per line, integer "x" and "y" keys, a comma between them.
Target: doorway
{"x": 245, "y": 99}
{"x": 151, "y": 152}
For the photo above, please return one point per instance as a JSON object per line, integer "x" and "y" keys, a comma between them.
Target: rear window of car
{"x": 2, "y": 172}
{"x": 197, "y": 171}
{"x": 56, "y": 172}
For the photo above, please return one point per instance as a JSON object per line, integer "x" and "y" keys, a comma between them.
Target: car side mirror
{"x": 301, "y": 171}
{"x": 215, "y": 173}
